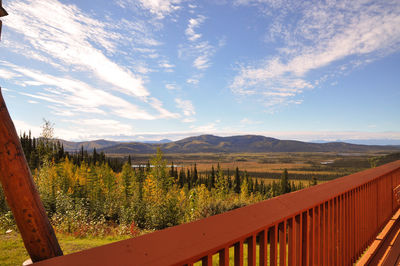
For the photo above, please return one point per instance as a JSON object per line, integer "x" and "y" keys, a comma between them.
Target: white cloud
{"x": 203, "y": 52}
{"x": 192, "y": 25}
{"x": 171, "y": 86}
{"x": 204, "y": 129}
{"x": 81, "y": 129}
{"x": 75, "y": 43}
{"x": 168, "y": 67}
{"x": 5, "y": 74}
{"x": 22, "y": 126}
{"x": 100, "y": 127}
{"x": 186, "y": 106}
{"x": 198, "y": 50}
{"x": 283, "y": 135}
{"x": 66, "y": 34}
{"x": 160, "y": 8}
{"x": 247, "y": 121}
{"x": 202, "y": 62}
{"x": 189, "y": 120}
{"x": 192, "y": 81}
{"x": 157, "y": 104}
{"x": 79, "y": 97}
{"x": 323, "y": 34}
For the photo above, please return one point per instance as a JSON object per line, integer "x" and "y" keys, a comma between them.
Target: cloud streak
{"x": 323, "y": 35}
{"x": 66, "y": 34}
{"x": 75, "y": 42}
{"x": 192, "y": 25}
{"x": 198, "y": 50}
{"x": 76, "y": 97}
{"x": 187, "y": 108}
{"x": 159, "y": 8}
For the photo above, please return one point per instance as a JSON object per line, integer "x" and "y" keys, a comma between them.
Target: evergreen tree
{"x": 237, "y": 181}
{"x": 172, "y": 170}
{"x": 285, "y": 187}
{"x": 212, "y": 177}
{"x": 127, "y": 176}
{"x": 221, "y": 184}
{"x": 95, "y": 156}
{"x": 244, "y": 189}
{"x": 195, "y": 177}
{"x": 293, "y": 186}
{"x": 313, "y": 181}
{"x": 182, "y": 178}
{"x": 189, "y": 179}
{"x": 229, "y": 181}
{"x": 275, "y": 189}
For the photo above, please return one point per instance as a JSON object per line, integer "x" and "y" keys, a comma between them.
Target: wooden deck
{"x": 385, "y": 250}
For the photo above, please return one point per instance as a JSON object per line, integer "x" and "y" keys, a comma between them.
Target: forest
{"x": 88, "y": 194}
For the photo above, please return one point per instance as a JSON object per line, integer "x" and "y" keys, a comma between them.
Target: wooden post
{"x": 21, "y": 194}
{"x": 3, "y": 13}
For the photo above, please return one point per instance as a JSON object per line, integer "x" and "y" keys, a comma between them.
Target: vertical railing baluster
{"x": 391, "y": 193}
{"x": 326, "y": 233}
{"x": 343, "y": 235}
{"x": 310, "y": 236}
{"x": 359, "y": 222}
{"x": 238, "y": 254}
{"x": 273, "y": 245}
{"x": 367, "y": 212}
{"x": 298, "y": 242}
{"x": 316, "y": 235}
{"x": 282, "y": 243}
{"x": 347, "y": 226}
{"x": 251, "y": 250}
{"x": 340, "y": 229}
{"x": 331, "y": 233}
{"x": 371, "y": 228}
{"x": 207, "y": 260}
{"x": 352, "y": 225}
{"x": 263, "y": 248}
{"x": 291, "y": 247}
{"x": 224, "y": 257}
{"x": 322, "y": 243}
{"x": 304, "y": 246}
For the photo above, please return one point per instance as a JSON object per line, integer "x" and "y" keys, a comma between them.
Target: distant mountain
{"x": 114, "y": 146}
{"x": 71, "y": 146}
{"x": 157, "y": 141}
{"x": 391, "y": 142}
{"x": 237, "y": 144}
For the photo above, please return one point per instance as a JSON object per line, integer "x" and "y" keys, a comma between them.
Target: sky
{"x": 135, "y": 70}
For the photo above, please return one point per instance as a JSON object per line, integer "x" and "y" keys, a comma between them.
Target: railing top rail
{"x": 176, "y": 245}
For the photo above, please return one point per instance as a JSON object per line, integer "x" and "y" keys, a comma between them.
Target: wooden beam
{"x": 21, "y": 193}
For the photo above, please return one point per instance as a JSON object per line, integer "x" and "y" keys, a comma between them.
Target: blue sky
{"x": 148, "y": 70}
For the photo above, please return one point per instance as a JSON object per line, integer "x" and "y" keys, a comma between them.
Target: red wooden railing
{"x": 329, "y": 224}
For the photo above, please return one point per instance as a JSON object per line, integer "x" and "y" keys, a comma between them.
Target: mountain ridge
{"x": 218, "y": 144}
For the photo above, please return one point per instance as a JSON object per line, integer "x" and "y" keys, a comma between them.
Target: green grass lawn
{"x": 12, "y": 250}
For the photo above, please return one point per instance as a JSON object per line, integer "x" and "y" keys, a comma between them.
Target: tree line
{"x": 85, "y": 192}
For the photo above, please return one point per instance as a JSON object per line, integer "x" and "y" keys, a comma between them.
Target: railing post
{"x": 21, "y": 194}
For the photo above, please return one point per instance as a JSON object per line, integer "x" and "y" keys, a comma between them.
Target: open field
{"x": 300, "y": 165}
{"x": 13, "y": 252}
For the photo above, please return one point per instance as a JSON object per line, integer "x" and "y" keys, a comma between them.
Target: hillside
{"x": 87, "y": 145}
{"x": 237, "y": 144}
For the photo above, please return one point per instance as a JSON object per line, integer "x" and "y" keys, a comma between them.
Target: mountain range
{"x": 216, "y": 144}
